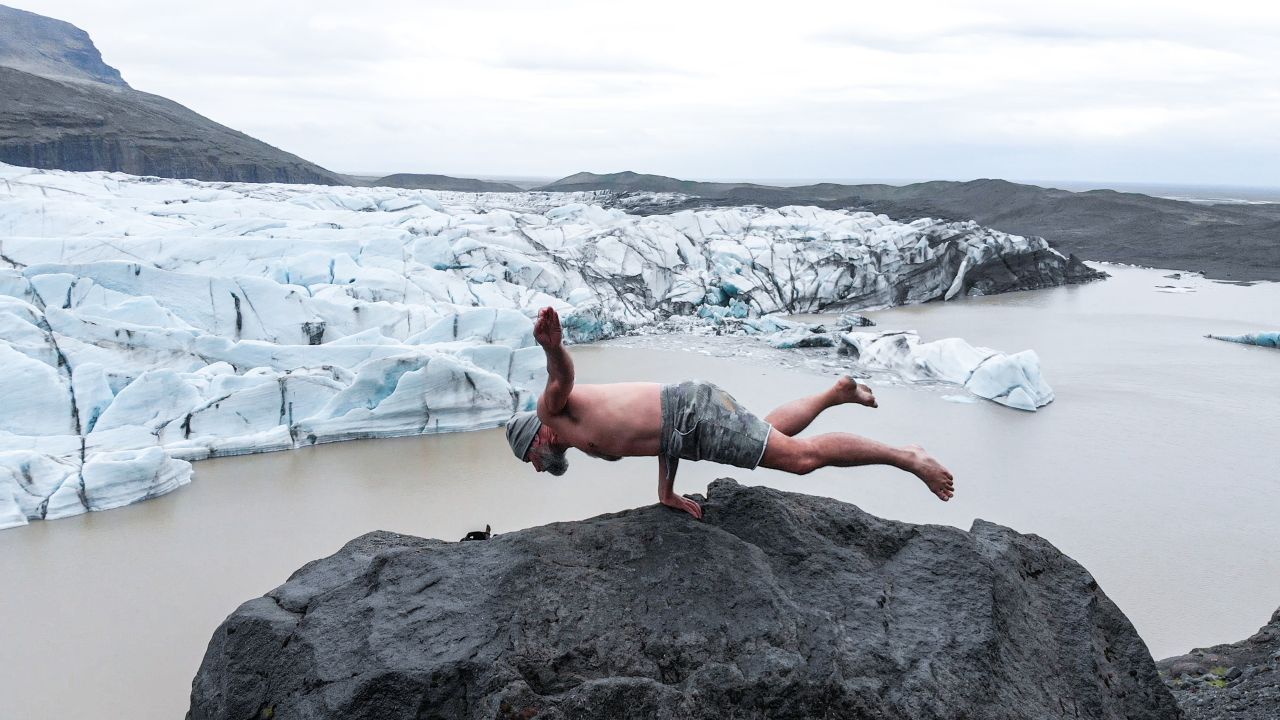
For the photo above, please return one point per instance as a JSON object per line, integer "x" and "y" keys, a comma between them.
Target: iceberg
{"x": 800, "y": 338}
{"x": 1013, "y": 380}
{"x": 1262, "y": 339}
{"x": 147, "y": 323}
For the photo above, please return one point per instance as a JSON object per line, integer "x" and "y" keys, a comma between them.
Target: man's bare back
{"x": 627, "y": 420}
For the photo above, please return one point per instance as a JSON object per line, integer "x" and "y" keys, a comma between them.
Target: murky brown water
{"x": 1155, "y": 468}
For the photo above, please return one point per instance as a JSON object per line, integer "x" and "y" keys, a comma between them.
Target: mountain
{"x": 1230, "y": 242}
{"x": 636, "y": 182}
{"x": 417, "y": 181}
{"x": 64, "y": 108}
{"x": 52, "y": 48}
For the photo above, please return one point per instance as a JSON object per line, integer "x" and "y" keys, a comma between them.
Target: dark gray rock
{"x": 777, "y": 605}
{"x": 1239, "y": 680}
{"x": 1234, "y": 242}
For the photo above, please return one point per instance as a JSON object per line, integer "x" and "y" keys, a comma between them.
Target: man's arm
{"x": 559, "y": 365}
{"x": 666, "y": 490}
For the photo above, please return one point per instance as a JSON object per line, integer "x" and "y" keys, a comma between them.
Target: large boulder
{"x": 777, "y": 605}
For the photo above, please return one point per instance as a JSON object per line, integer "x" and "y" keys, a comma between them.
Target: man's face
{"x": 545, "y": 458}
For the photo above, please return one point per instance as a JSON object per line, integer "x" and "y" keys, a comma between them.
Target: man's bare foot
{"x": 680, "y": 502}
{"x": 927, "y": 468}
{"x": 851, "y": 391}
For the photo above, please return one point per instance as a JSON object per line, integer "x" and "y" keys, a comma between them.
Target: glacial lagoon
{"x": 1154, "y": 468}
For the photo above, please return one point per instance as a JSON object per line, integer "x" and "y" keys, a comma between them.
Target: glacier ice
{"x": 148, "y": 323}
{"x": 801, "y": 338}
{"x": 1262, "y": 339}
{"x": 1013, "y": 380}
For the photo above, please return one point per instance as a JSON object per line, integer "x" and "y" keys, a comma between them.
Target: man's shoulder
{"x": 545, "y": 414}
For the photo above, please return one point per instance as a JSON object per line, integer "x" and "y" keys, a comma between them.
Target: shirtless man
{"x": 693, "y": 421}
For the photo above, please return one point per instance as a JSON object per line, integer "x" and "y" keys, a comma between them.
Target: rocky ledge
{"x": 777, "y": 605}
{"x": 1240, "y": 680}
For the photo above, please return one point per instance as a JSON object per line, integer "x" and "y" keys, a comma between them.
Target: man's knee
{"x": 794, "y": 455}
{"x": 807, "y": 462}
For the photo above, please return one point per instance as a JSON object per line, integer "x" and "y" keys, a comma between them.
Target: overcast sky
{"x": 1110, "y": 91}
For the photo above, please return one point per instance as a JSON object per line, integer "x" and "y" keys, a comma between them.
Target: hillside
{"x": 418, "y": 181}
{"x": 51, "y": 48}
{"x": 64, "y": 108}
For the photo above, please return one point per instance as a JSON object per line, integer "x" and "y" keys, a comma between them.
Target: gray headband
{"x": 522, "y": 428}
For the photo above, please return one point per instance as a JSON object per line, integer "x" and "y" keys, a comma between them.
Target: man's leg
{"x": 804, "y": 455}
{"x": 796, "y": 415}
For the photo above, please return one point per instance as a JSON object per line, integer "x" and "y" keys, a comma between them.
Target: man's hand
{"x": 547, "y": 329}
{"x": 680, "y": 502}
{"x": 559, "y": 365}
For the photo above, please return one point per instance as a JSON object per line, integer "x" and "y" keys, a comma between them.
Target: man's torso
{"x": 619, "y": 419}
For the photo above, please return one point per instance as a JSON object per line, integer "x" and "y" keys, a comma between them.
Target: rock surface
{"x": 1239, "y": 680}
{"x": 777, "y": 605}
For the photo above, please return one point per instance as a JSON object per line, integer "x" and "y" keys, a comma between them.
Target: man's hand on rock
{"x": 683, "y": 503}
{"x": 546, "y": 331}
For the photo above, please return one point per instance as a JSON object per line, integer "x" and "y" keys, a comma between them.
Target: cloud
{"x": 579, "y": 61}
{"x": 813, "y": 88}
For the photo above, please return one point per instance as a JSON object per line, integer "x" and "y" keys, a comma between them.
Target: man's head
{"x": 532, "y": 443}
{"x": 522, "y": 428}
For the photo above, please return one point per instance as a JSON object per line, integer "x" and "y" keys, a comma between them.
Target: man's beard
{"x": 554, "y": 462}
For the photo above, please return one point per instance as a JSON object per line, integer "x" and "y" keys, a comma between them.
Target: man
{"x": 694, "y": 421}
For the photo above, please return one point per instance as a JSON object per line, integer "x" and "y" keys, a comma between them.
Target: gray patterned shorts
{"x": 702, "y": 422}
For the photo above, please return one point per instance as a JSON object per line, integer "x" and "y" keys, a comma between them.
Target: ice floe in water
{"x": 1012, "y": 380}
{"x": 1262, "y": 339}
{"x": 145, "y": 323}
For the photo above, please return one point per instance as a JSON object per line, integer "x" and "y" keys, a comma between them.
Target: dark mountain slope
{"x": 66, "y": 125}
{"x": 443, "y": 182}
{"x": 51, "y": 48}
{"x": 63, "y": 108}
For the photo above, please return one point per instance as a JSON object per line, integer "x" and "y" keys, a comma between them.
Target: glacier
{"x": 146, "y": 323}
